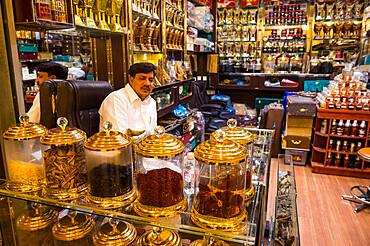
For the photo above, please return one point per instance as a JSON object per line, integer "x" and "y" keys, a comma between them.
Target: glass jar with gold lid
{"x": 117, "y": 233}
{"x": 23, "y": 154}
{"x": 74, "y": 229}
{"x": 35, "y": 224}
{"x": 219, "y": 197}
{"x": 64, "y": 161}
{"x": 159, "y": 175}
{"x": 109, "y": 168}
{"x": 246, "y": 139}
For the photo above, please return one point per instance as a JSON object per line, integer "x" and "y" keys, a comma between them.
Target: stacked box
{"x": 298, "y": 128}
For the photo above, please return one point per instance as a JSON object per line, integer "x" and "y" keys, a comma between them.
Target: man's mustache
{"x": 145, "y": 87}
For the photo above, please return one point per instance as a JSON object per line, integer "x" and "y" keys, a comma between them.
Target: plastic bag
{"x": 180, "y": 111}
{"x": 219, "y": 96}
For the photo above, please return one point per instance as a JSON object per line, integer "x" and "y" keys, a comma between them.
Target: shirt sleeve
{"x": 153, "y": 115}
{"x": 34, "y": 112}
{"x": 114, "y": 110}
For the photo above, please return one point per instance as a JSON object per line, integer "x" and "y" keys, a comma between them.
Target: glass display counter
{"x": 13, "y": 204}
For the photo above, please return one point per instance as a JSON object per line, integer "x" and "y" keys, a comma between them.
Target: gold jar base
{"x": 249, "y": 194}
{"x": 64, "y": 195}
{"x": 234, "y": 224}
{"x": 202, "y": 242}
{"x": 159, "y": 236}
{"x": 112, "y": 202}
{"x": 156, "y": 212}
{"x": 22, "y": 188}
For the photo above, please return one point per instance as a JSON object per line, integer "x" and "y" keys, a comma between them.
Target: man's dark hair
{"x": 143, "y": 67}
{"x": 52, "y": 68}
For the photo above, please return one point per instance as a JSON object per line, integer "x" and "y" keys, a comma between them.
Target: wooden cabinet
{"x": 321, "y": 146}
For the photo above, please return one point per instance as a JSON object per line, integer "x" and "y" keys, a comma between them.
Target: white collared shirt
{"x": 35, "y": 112}
{"x": 124, "y": 109}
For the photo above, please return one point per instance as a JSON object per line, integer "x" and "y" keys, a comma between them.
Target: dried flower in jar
{"x": 25, "y": 172}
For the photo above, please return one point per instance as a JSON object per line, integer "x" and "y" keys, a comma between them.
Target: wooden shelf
{"x": 319, "y": 153}
{"x": 344, "y": 114}
{"x": 342, "y": 152}
{"x": 319, "y": 149}
{"x": 341, "y": 171}
{"x": 346, "y": 136}
{"x": 321, "y": 134}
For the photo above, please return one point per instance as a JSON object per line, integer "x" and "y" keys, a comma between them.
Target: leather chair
{"x": 214, "y": 111}
{"x": 79, "y": 101}
{"x": 48, "y": 94}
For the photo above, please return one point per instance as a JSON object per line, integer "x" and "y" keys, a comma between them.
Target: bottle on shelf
{"x": 329, "y": 159}
{"x": 337, "y": 145}
{"x": 324, "y": 126}
{"x": 189, "y": 173}
{"x": 357, "y": 162}
{"x": 345, "y": 146}
{"x": 331, "y": 144}
{"x": 172, "y": 69}
{"x": 340, "y": 128}
{"x": 333, "y": 127}
{"x": 346, "y": 160}
{"x": 359, "y": 146}
{"x": 354, "y": 128}
{"x": 366, "y": 106}
{"x": 337, "y": 160}
{"x": 362, "y": 129}
{"x": 353, "y": 147}
{"x": 347, "y": 128}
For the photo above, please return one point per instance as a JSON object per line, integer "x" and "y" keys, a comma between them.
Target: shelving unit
{"x": 339, "y": 34}
{"x": 321, "y": 148}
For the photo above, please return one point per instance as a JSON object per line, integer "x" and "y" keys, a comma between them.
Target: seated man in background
{"x": 45, "y": 71}
{"x": 132, "y": 107}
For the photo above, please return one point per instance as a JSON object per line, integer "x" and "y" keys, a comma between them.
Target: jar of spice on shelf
{"x": 64, "y": 161}
{"x": 159, "y": 175}
{"x": 24, "y": 168}
{"x": 244, "y": 138}
{"x": 221, "y": 185}
{"x": 109, "y": 169}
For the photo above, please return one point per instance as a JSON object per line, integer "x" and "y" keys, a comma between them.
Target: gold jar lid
{"x": 63, "y": 135}
{"x": 159, "y": 145}
{"x": 73, "y": 226}
{"x": 25, "y": 130}
{"x": 115, "y": 233}
{"x": 37, "y": 217}
{"x": 159, "y": 236}
{"x": 107, "y": 140}
{"x": 219, "y": 150}
{"x": 237, "y": 134}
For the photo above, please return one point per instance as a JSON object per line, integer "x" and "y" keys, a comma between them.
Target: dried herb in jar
{"x": 160, "y": 187}
{"x": 110, "y": 180}
{"x": 65, "y": 166}
{"x": 223, "y": 204}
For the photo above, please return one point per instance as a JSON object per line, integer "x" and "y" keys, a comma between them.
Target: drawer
{"x": 25, "y": 47}
{"x": 299, "y": 121}
{"x": 296, "y": 142}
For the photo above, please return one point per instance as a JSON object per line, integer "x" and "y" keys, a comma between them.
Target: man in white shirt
{"x": 132, "y": 107}
{"x": 45, "y": 71}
